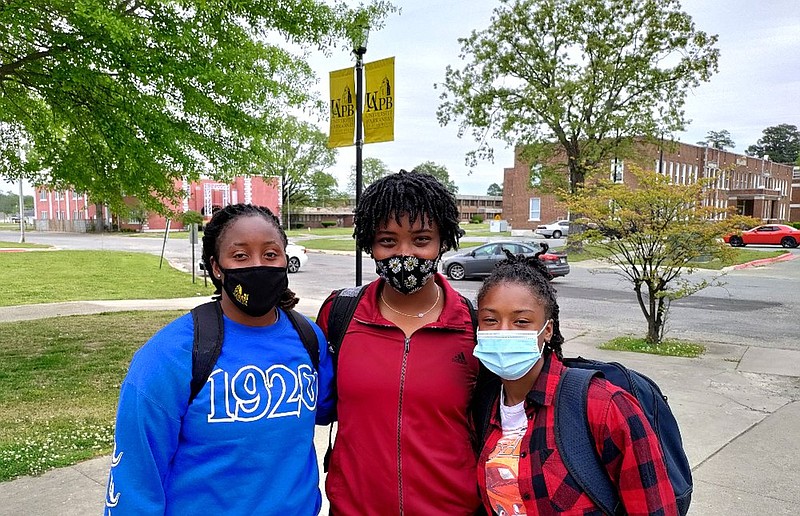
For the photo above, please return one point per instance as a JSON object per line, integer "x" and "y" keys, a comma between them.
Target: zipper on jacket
{"x": 406, "y": 346}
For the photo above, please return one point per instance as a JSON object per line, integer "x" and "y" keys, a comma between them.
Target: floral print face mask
{"x": 406, "y": 274}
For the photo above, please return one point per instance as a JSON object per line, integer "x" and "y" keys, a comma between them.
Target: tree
{"x": 494, "y": 189}
{"x": 123, "y": 98}
{"x": 323, "y": 191}
{"x": 9, "y": 202}
{"x": 654, "y": 235}
{"x": 372, "y": 169}
{"x": 571, "y": 81}
{"x": 440, "y": 173}
{"x": 718, "y": 140}
{"x": 781, "y": 143}
{"x": 295, "y": 152}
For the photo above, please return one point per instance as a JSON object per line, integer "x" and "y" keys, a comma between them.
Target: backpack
{"x": 207, "y": 346}
{"x": 576, "y": 444}
{"x": 343, "y": 306}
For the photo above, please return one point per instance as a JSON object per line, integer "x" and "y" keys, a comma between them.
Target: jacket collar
{"x": 544, "y": 388}
{"x": 455, "y": 314}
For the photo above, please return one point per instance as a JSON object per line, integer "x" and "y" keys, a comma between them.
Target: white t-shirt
{"x": 503, "y": 462}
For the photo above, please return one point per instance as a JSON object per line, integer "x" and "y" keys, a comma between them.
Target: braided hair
{"x": 215, "y": 229}
{"x": 531, "y": 273}
{"x": 416, "y": 194}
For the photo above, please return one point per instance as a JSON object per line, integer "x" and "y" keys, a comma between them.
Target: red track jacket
{"x": 403, "y": 442}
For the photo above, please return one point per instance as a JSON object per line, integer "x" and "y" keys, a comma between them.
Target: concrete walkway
{"x": 739, "y": 411}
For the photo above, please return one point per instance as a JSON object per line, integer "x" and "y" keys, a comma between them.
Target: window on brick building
{"x": 535, "y": 206}
{"x": 42, "y": 195}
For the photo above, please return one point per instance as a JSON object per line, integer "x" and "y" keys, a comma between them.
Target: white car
{"x": 295, "y": 253}
{"x": 555, "y": 229}
{"x": 297, "y": 256}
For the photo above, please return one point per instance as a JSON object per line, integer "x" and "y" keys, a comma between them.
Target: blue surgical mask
{"x": 509, "y": 354}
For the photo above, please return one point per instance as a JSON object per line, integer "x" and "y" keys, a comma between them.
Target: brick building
{"x": 486, "y": 206}
{"x": 756, "y": 187}
{"x": 794, "y": 206}
{"x": 73, "y": 211}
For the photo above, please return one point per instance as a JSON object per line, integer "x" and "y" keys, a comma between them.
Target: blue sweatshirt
{"x": 245, "y": 444}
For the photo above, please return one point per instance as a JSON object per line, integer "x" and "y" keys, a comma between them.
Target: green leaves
{"x": 583, "y": 74}
{"x": 123, "y": 98}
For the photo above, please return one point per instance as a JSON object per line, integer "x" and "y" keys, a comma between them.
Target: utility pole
{"x": 21, "y": 214}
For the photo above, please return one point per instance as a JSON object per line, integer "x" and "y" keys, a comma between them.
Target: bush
{"x": 328, "y": 223}
{"x": 298, "y": 225}
{"x": 191, "y": 217}
{"x": 476, "y": 219}
{"x": 795, "y": 225}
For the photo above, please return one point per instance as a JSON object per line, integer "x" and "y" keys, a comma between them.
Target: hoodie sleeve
{"x": 326, "y": 406}
{"x": 152, "y": 401}
{"x": 144, "y": 442}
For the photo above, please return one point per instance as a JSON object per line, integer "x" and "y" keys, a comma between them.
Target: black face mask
{"x": 406, "y": 274}
{"x": 255, "y": 290}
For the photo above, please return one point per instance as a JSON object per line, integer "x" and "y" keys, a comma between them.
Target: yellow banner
{"x": 343, "y": 108}
{"x": 379, "y": 101}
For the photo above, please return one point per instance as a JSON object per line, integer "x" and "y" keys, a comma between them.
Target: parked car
{"x": 555, "y": 229}
{"x": 769, "y": 234}
{"x": 15, "y": 219}
{"x": 481, "y": 260}
{"x": 296, "y": 254}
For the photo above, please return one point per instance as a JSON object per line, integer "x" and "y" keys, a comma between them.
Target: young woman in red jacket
{"x": 520, "y": 470}
{"x": 405, "y": 371}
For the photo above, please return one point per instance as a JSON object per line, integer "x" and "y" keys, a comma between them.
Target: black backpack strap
{"x": 473, "y": 313}
{"x": 208, "y": 331}
{"x": 343, "y": 306}
{"x": 575, "y": 442}
{"x": 307, "y": 335}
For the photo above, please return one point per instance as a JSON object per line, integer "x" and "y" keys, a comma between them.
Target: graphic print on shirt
{"x": 112, "y": 496}
{"x": 251, "y": 393}
{"x": 501, "y": 474}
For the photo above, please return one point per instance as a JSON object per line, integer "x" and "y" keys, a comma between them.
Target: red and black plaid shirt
{"x": 623, "y": 437}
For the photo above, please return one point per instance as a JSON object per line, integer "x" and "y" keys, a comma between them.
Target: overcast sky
{"x": 757, "y": 86}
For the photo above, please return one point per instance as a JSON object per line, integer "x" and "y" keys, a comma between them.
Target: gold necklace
{"x": 420, "y": 314}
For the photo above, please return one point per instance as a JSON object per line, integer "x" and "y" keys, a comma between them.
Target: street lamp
{"x": 22, "y": 157}
{"x": 359, "y": 49}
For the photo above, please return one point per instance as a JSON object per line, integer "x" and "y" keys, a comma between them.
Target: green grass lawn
{"x": 668, "y": 347}
{"x": 740, "y": 256}
{"x": 26, "y": 245}
{"x": 59, "y": 385}
{"x": 53, "y": 276}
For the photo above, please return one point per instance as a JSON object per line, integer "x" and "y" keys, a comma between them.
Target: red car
{"x": 769, "y": 234}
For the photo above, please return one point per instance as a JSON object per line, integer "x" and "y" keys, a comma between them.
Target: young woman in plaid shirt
{"x": 520, "y": 470}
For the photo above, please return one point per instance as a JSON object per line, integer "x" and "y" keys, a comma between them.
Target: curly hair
{"x": 416, "y": 194}
{"x": 215, "y": 229}
{"x": 531, "y": 273}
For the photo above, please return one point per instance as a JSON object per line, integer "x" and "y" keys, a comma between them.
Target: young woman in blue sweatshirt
{"x": 245, "y": 444}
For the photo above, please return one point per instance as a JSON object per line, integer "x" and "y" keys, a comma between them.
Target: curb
{"x": 766, "y": 261}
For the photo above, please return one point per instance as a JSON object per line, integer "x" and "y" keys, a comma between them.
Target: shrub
{"x": 191, "y": 217}
{"x": 795, "y": 225}
{"x": 476, "y": 219}
{"x": 328, "y": 223}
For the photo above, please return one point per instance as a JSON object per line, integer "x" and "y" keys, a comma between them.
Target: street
{"x": 757, "y": 306}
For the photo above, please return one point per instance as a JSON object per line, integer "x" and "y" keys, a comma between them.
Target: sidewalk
{"x": 739, "y": 411}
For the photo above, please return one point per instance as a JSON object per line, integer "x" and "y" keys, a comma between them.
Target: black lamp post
{"x": 360, "y": 49}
